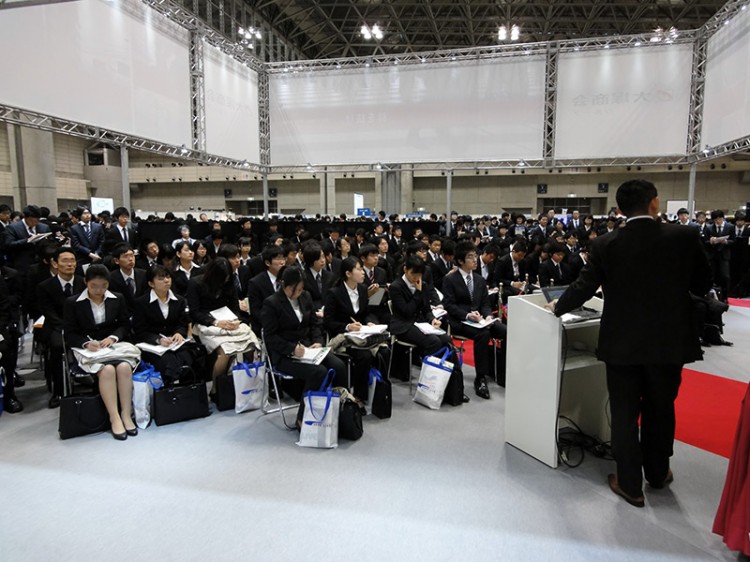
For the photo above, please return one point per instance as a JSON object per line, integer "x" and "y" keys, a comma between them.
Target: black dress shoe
{"x": 54, "y": 402}
{"x": 704, "y": 343}
{"x": 480, "y": 386}
{"x": 12, "y": 405}
{"x": 635, "y": 501}
{"x": 668, "y": 480}
{"x": 132, "y": 432}
{"x": 18, "y": 380}
{"x": 465, "y": 399}
{"x": 725, "y": 342}
{"x": 119, "y": 436}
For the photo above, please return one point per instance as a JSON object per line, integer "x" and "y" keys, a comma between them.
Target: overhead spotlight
{"x": 522, "y": 163}
{"x": 309, "y": 167}
{"x": 423, "y": 59}
{"x": 515, "y": 32}
{"x": 606, "y": 45}
{"x": 184, "y": 150}
{"x": 378, "y": 166}
{"x": 707, "y": 150}
{"x": 658, "y": 34}
{"x": 502, "y": 33}
{"x": 637, "y": 43}
{"x": 373, "y": 32}
{"x": 344, "y": 175}
{"x": 245, "y": 164}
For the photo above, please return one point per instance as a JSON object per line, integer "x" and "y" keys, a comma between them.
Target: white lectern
{"x": 551, "y": 372}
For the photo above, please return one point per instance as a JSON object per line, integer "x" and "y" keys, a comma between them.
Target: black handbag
{"x": 350, "y": 421}
{"x": 82, "y": 415}
{"x": 382, "y": 400}
{"x": 454, "y": 392}
{"x": 224, "y": 397}
{"x": 180, "y": 403}
{"x": 500, "y": 364}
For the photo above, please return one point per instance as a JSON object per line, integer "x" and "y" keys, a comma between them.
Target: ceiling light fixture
{"x": 373, "y": 32}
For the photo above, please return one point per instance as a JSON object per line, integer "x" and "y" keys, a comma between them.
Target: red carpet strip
{"x": 707, "y": 407}
{"x": 743, "y": 303}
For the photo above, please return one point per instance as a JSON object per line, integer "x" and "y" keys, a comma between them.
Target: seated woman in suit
{"x": 200, "y": 253}
{"x": 212, "y": 290}
{"x": 160, "y": 318}
{"x": 347, "y": 310}
{"x": 185, "y": 268}
{"x": 94, "y": 320}
{"x": 290, "y": 325}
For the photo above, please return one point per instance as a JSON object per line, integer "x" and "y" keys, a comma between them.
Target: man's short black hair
{"x": 634, "y": 196}
{"x": 63, "y": 250}
{"x": 491, "y": 249}
{"x": 228, "y": 251}
{"x": 120, "y": 249}
{"x": 310, "y": 253}
{"x": 463, "y": 248}
{"x": 367, "y": 249}
{"x": 415, "y": 264}
{"x": 448, "y": 247}
{"x": 718, "y": 213}
{"x": 270, "y": 252}
{"x": 120, "y": 211}
{"x": 32, "y": 212}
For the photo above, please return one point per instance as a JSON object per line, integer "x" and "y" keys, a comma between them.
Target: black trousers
{"x": 648, "y": 391}
{"x": 313, "y": 375}
{"x": 484, "y": 354}
{"x": 426, "y": 344}
{"x": 362, "y": 361}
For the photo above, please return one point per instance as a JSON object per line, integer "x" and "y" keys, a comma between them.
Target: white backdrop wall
{"x": 118, "y": 65}
{"x": 623, "y": 102}
{"x": 426, "y": 113}
{"x": 726, "y": 104}
{"x": 231, "y": 107}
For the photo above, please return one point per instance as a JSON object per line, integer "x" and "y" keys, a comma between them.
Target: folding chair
{"x": 272, "y": 375}
{"x": 74, "y": 375}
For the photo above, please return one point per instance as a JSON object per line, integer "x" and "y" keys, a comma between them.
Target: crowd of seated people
{"x": 168, "y": 288}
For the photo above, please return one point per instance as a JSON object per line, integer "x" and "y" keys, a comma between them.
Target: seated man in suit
{"x": 51, "y": 295}
{"x": 317, "y": 279}
{"x": 465, "y": 298}
{"x": 126, "y": 279}
{"x": 148, "y": 255}
{"x": 375, "y": 279}
{"x": 410, "y": 305}
{"x": 265, "y": 284}
{"x": 511, "y": 271}
{"x": 554, "y": 271}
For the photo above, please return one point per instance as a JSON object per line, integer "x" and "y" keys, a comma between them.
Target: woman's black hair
{"x": 157, "y": 272}
{"x": 290, "y": 276}
{"x": 347, "y": 265}
{"x": 97, "y": 271}
{"x": 217, "y": 276}
{"x": 180, "y": 245}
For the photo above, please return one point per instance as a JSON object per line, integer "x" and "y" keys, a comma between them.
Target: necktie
{"x": 68, "y": 290}
{"x": 237, "y": 284}
{"x": 87, "y": 227}
{"x": 319, "y": 281}
{"x": 125, "y": 234}
{"x": 131, "y": 285}
{"x": 470, "y": 286}
{"x": 277, "y": 286}
{"x": 372, "y": 276}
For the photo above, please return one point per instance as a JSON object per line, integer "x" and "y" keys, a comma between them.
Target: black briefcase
{"x": 224, "y": 397}
{"x": 382, "y": 400}
{"x": 82, "y": 415}
{"x": 350, "y": 421}
{"x": 180, "y": 403}
{"x": 400, "y": 367}
{"x": 454, "y": 392}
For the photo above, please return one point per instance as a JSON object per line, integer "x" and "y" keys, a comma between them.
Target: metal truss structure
{"x": 228, "y": 16}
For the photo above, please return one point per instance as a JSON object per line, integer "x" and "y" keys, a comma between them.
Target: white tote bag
{"x": 433, "y": 378}
{"x": 249, "y": 380}
{"x": 320, "y": 423}
{"x": 145, "y": 382}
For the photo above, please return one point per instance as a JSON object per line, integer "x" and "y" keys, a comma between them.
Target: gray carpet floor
{"x": 424, "y": 485}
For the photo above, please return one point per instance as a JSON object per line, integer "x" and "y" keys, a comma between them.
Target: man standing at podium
{"x": 647, "y": 271}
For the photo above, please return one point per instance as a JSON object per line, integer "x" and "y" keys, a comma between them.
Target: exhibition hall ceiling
{"x": 334, "y": 28}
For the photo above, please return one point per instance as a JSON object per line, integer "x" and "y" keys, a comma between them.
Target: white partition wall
{"x": 231, "y": 107}
{"x": 477, "y": 110}
{"x": 623, "y": 102}
{"x": 118, "y": 65}
{"x": 726, "y": 105}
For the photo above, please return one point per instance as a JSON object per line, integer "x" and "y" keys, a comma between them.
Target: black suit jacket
{"x": 408, "y": 308}
{"x": 281, "y": 328}
{"x": 549, "y": 274}
{"x": 21, "y": 254}
{"x": 258, "y": 290}
{"x": 439, "y": 270}
{"x": 311, "y": 286}
{"x": 504, "y": 271}
{"x": 51, "y": 301}
{"x": 81, "y": 243}
{"x": 201, "y": 302}
{"x": 339, "y": 310}
{"x": 149, "y": 322}
{"x": 720, "y": 251}
{"x": 78, "y": 320}
{"x": 647, "y": 271}
{"x": 459, "y": 303}
{"x": 113, "y": 237}
{"x": 180, "y": 280}
{"x": 117, "y": 285}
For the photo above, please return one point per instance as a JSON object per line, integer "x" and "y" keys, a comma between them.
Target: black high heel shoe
{"x": 132, "y": 432}
{"x": 119, "y": 436}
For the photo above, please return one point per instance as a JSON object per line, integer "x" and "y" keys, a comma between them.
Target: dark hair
{"x": 290, "y": 276}
{"x": 180, "y": 245}
{"x": 157, "y": 272}
{"x": 228, "y": 251}
{"x": 463, "y": 248}
{"x": 310, "y": 253}
{"x": 62, "y": 250}
{"x": 166, "y": 252}
{"x": 415, "y": 264}
{"x": 120, "y": 249}
{"x": 367, "y": 249}
{"x": 555, "y": 248}
{"x": 244, "y": 241}
{"x": 520, "y": 246}
{"x": 347, "y": 265}
{"x": 491, "y": 249}
{"x": 448, "y": 247}
{"x": 119, "y": 211}
{"x": 217, "y": 276}
{"x": 5, "y": 208}
{"x": 634, "y": 196}
{"x": 436, "y": 238}
{"x": 270, "y": 252}
{"x": 32, "y": 212}
{"x": 97, "y": 271}
{"x": 145, "y": 244}
{"x": 327, "y": 247}
{"x": 415, "y": 246}
{"x": 718, "y": 213}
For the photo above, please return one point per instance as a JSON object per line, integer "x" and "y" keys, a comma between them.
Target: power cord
{"x": 572, "y": 444}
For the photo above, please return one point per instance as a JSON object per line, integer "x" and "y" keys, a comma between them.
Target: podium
{"x": 551, "y": 372}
